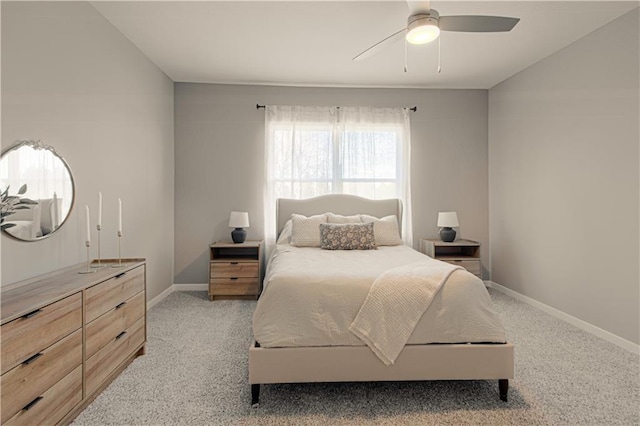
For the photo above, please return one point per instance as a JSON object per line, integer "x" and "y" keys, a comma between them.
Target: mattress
{"x": 311, "y": 296}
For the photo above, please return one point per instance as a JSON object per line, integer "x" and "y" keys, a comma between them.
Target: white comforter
{"x": 311, "y": 296}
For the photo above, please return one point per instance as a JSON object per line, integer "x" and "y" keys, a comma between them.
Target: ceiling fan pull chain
{"x": 405, "y": 55}
{"x": 439, "y": 67}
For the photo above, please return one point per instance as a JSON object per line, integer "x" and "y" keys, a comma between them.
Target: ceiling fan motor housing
{"x": 423, "y": 27}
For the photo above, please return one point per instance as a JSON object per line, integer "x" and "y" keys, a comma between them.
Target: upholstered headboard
{"x": 336, "y": 203}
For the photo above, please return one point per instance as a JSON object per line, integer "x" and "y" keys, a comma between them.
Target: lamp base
{"x": 447, "y": 234}
{"x": 238, "y": 235}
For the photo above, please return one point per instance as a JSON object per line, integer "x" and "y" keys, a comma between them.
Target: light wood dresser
{"x": 65, "y": 337}
{"x": 235, "y": 269}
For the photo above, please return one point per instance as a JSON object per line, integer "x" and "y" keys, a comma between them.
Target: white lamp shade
{"x": 239, "y": 220}
{"x": 448, "y": 219}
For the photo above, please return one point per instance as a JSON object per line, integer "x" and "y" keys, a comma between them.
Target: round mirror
{"x": 37, "y": 191}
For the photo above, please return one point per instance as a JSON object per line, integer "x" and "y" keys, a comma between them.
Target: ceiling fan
{"x": 424, "y": 25}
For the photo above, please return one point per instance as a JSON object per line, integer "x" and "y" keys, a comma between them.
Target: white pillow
{"x": 285, "y": 235}
{"x": 305, "y": 231}
{"x": 386, "y": 230}
{"x": 336, "y": 218}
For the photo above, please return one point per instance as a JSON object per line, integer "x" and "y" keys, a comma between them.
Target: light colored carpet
{"x": 195, "y": 372}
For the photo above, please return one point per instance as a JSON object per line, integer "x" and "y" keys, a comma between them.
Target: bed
{"x": 295, "y": 342}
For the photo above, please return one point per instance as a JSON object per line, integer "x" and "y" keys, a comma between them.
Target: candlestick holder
{"x": 99, "y": 264}
{"x": 119, "y": 264}
{"x": 89, "y": 270}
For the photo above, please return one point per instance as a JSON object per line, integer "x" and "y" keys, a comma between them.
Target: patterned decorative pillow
{"x": 337, "y": 218}
{"x": 386, "y": 229}
{"x": 347, "y": 236}
{"x": 305, "y": 231}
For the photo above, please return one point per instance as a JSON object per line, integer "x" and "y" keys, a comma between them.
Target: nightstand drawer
{"x": 235, "y": 269}
{"x": 234, "y": 287}
{"x": 472, "y": 266}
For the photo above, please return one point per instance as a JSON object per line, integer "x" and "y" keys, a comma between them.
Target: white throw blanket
{"x": 397, "y": 300}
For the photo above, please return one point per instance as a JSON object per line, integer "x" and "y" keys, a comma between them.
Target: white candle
{"x": 86, "y": 209}
{"x": 119, "y": 216}
{"x": 99, "y": 209}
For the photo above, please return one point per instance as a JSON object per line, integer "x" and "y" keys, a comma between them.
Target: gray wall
{"x": 564, "y": 181}
{"x": 219, "y": 159}
{"x": 72, "y": 80}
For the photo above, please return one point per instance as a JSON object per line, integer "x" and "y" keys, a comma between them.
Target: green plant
{"x": 10, "y": 203}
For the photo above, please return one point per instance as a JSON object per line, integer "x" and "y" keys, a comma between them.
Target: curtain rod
{"x": 414, "y": 108}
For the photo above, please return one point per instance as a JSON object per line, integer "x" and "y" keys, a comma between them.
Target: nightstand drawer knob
{"x": 233, "y": 263}
{"x": 233, "y": 278}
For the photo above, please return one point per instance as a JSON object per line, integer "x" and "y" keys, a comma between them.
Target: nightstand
{"x": 235, "y": 270}
{"x": 465, "y": 253}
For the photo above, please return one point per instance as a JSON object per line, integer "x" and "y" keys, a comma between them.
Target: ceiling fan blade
{"x": 393, "y": 38}
{"x": 477, "y": 24}
{"x": 421, "y": 6}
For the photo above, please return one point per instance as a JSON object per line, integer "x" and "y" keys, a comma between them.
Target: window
{"x": 314, "y": 151}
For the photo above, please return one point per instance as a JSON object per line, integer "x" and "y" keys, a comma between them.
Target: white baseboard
{"x": 176, "y": 287}
{"x": 153, "y": 302}
{"x": 191, "y": 287}
{"x": 583, "y": 325}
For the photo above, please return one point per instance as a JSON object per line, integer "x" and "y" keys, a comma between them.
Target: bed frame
{"x": 359, "y": 363}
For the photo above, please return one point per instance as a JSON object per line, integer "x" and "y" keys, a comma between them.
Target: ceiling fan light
{"x": 423, "y": 30}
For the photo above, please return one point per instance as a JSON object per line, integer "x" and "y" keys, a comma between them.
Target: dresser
{"x": 235, "y": 270}
{"x": 65, "y": 337}
{"x": 465, "y": 253}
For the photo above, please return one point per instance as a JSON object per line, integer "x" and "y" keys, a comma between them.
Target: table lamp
{"x": 447, "y": 220}
{"x": 239, "y": 220}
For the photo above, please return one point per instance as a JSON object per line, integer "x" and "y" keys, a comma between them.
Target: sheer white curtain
{"x": 299, "y": 156}
{"x": 313, "y": 151}
{"x": 375, "y": 156}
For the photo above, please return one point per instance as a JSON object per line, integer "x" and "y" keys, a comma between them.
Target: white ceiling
{"x": 311, "y": 43}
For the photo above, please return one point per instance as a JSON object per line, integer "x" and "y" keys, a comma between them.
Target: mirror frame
{"x": 38, "y": 145}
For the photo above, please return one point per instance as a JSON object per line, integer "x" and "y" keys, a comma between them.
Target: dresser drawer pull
{"x": 120, "y": 275}
{"x": 30, "y": 405}
{"x": 233, "y": 278}
{"x": 119, "y": 336}
{"x": 233, "y": 263}
{"x": 120, "y": 305}
{"x": 32, "y": 314}
{"x": 31, "y": 359}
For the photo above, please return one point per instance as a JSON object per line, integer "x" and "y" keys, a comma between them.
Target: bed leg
{"x": 503, "y": 384}
{"x": 255, "y": 395}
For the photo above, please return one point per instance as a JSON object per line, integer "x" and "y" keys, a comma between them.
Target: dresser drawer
{"x": 472, "y": 266}
{"x": 234, "y": 269}
{"x": 37, "y": 374}
{"x": 106, "y": 360}
{"x": 109, "y": 294}
{"x": 106, "y": 327}
{"x": 30, "y": 334}
{"x": 51, "y": 406}
{"x": 234, "y": 287}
